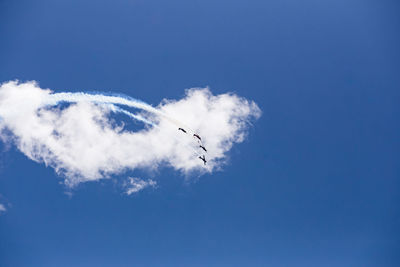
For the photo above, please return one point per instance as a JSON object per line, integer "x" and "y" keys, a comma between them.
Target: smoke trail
{"x": 54, "y": 99}
{"x": 110, "y": 102}
{"x": 116, "y": 109}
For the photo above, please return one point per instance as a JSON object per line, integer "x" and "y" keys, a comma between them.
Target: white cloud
{"x": 2, "y": 208}
{"x": 81, "y": 142}
{"x": 136, "y": 184}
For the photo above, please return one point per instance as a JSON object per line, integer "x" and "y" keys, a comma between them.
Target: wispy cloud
{"x": 135, "y": 185}
{"x": 2, "y": 208}
{"x": 82, "y": 141}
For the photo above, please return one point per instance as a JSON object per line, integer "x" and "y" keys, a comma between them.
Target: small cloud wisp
{"x": 2, "y": 208}
{"x": 135, "y": 185}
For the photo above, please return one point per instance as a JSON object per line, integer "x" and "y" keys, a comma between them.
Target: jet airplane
{"x": 203, "y": 159}
{"x": 197, "y": 136}
{"x": 203, "y": 148}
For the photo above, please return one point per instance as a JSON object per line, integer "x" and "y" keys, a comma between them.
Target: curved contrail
{"x": 110, "y": 101}
{"x": 54, "y": 99}
{"x": 115, "y": 108}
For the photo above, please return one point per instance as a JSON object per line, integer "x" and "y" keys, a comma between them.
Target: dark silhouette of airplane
{"x": 203, "y": 148}
{"x": 181, "y": 129}
{"x": 203, "y": 159}
{"x": 197, "y": 136}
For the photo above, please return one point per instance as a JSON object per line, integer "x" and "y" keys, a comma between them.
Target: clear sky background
{"x": 315, "y": 184}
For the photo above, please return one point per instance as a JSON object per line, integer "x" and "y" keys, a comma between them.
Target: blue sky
{"x": 316, "y": 183}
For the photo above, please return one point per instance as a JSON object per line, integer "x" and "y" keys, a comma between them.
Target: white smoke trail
{"x": 111, "y": 101}
{"x": 54, "y": 99}
{"x": 114, "y": 108}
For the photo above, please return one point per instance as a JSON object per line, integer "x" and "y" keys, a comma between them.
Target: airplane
{"x": 203, "y": 148}
{"x": 197, "y": 136}
{"x": 203, "y": 159}
{"x": 181, "y": 129}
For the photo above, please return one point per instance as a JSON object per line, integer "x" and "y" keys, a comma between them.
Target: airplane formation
{"x": 203, "y": 158}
